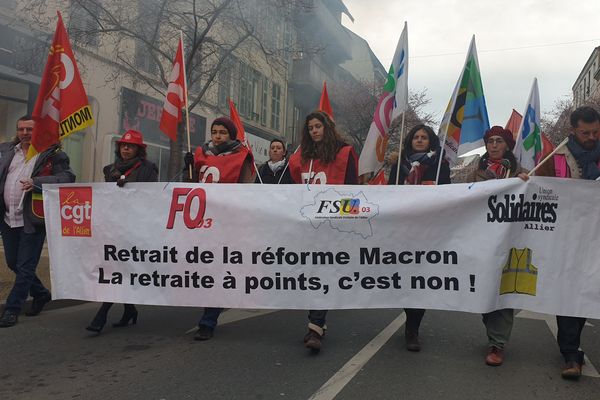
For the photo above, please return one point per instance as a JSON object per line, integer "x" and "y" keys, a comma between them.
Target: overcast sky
{"x": 446, "y": 26}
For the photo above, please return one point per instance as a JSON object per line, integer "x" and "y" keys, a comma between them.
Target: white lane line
{"x": 588, "y": 368}
{"x": 337, "y": 382}
{"x": 234, "y": 315}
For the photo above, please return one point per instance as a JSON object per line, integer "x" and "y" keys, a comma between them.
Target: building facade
{"x": 587, "y": 85}
{"x": 272, "y": 94}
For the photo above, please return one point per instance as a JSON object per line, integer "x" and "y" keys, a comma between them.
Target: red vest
{"x": 222, "y": 168}
{"x": 333, "y": 173}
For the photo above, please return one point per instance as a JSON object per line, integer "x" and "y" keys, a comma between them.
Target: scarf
{"x": 276, "y": 166}
{"x": 587, "y": 160}
{"x": 120, "y": 167}
{"x": 418, "y": 162}
{"x": 222, "y": 149}
{"x": 497, "y": 169}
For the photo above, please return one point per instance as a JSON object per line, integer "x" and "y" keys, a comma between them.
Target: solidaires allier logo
{"x": 351, "y": 213}
{"x": 519, "y": 275}
{"x": 539, "y": 211}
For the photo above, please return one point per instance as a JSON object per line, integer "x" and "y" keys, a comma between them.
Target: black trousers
{"x": 569, "y": 337}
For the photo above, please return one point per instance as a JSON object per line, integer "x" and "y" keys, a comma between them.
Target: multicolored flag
{"x": 324, "y": 104}
{"x": 466, "y": 119}
{"x": 392, "y": 103}
{"x": 528, "y": 148}
{"x": 62, "y": 107}
{"x": 176, "y": 96}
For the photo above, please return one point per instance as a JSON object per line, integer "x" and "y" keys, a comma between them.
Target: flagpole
{"x": 400, "y": 149}
{"x": 443, "y": 145}
{"x": 564, "y": 142}
{"x": 287, "y": 163}
{"x": 185, "y": 94}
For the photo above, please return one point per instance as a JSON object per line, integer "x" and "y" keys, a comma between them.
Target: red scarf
{"x": 498, "y": 168}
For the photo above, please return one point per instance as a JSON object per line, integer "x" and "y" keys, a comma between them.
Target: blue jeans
{"x": 210, "y": 317}
{"x": 22, "y": 251}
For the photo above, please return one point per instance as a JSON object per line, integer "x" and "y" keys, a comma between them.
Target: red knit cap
{"x": 503, "y": 133}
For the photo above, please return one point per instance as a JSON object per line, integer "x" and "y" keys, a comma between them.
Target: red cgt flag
{"x": 62, "y": 106}
{"x": 176, "y": 96}
{"x": 324, "y": 104}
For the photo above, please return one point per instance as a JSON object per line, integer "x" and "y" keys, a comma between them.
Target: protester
{"x": 419, "y": 166}
{"x": 22, "y": 227}
{"x": 579, "y": 159}
{"x": 498, "y": 162}
{"x": 224, "y": 159}
{"x": 324, "y": 158}
{"x": 275, "y": 171}
{"x": 130, "y": 165}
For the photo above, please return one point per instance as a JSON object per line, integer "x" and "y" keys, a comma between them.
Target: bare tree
{"x": 143, "y": 35}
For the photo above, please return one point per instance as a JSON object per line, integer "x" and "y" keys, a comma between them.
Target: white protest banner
{"x": 467, "y": 247}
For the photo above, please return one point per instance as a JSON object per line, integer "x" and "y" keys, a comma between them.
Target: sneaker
{"x": 37, "y": 305}
{"x": 8, "y": 319}
{"x": 312, "y": 340}
{"x": 412, "y": 341}
{"x": 204, "y": 333}
{"x": 494, "y": 357}
{"x": 572, "y": 370}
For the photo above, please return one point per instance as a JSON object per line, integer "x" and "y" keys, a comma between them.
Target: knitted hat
{"x": 503, "y": 133}
{"x": 227, "y": 123}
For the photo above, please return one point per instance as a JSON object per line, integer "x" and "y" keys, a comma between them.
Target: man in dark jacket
{"x": 579, "y": 159}
{"x": 22, "y": 223}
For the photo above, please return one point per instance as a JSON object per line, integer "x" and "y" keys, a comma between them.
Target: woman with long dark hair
{"x": 130, "y": 165}
{"x": 419, "y": 166}
{"x": 324, "y": 158}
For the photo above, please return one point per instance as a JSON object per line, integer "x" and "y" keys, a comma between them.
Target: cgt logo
{"x": 76, "y": 211}
{"x": 191, "y": 203}
{"x": 342, "y": 206}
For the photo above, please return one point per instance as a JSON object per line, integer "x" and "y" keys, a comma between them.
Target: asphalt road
{"x": 260, "y": 355}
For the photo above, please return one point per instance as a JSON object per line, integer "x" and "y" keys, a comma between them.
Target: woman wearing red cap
{"x": 224, "y": 159}
{"x": 498, "y": 162}
{"x": 420, "y": 158}
{"x": 130, "y": 165}
{"x": 324, "y": 158}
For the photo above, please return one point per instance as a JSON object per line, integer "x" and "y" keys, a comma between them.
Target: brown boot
{"x": 572, "y": 370}
{"x": 312, "y": 341}
{"x": 494, "y": 357}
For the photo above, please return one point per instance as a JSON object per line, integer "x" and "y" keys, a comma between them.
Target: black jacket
{"x": 267, "y": 175}
{"x": 51, "y": 166}
{"x": 146, "y": 172}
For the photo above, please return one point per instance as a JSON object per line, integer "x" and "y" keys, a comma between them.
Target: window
{"x": 83, "y": 27}
{"x": 249, "y": 85}
{"x": 224, "y": 86}
{"x": 275, "y": 106}
{"x": 148, "y": 14}
{"x": 264, "y": 101}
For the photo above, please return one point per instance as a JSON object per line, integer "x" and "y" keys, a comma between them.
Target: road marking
{"x": 588, "y": 369}
{"x": 234, "y": 315}
{"x": 337, "y": 382}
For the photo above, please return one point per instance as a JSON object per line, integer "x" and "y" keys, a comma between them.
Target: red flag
{"x": 176, "y": 96}
{"x": 378, "y": 179}
{"x": 324, "y": 104}
{"x": 62, "y": 106}
{"x": 547, "y": 148}
{"x": 514, "y": 123}
{"x": 235, "y": 117}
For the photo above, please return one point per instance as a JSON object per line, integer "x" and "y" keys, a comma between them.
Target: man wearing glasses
{"x": 22, "y": 220}
{"x": 579, "y": 159}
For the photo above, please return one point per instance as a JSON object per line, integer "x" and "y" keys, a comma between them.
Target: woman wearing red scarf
{"x": 324, "y": 158}
{"x": 420, "y": 157}
{"x": 498, "y": 162}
